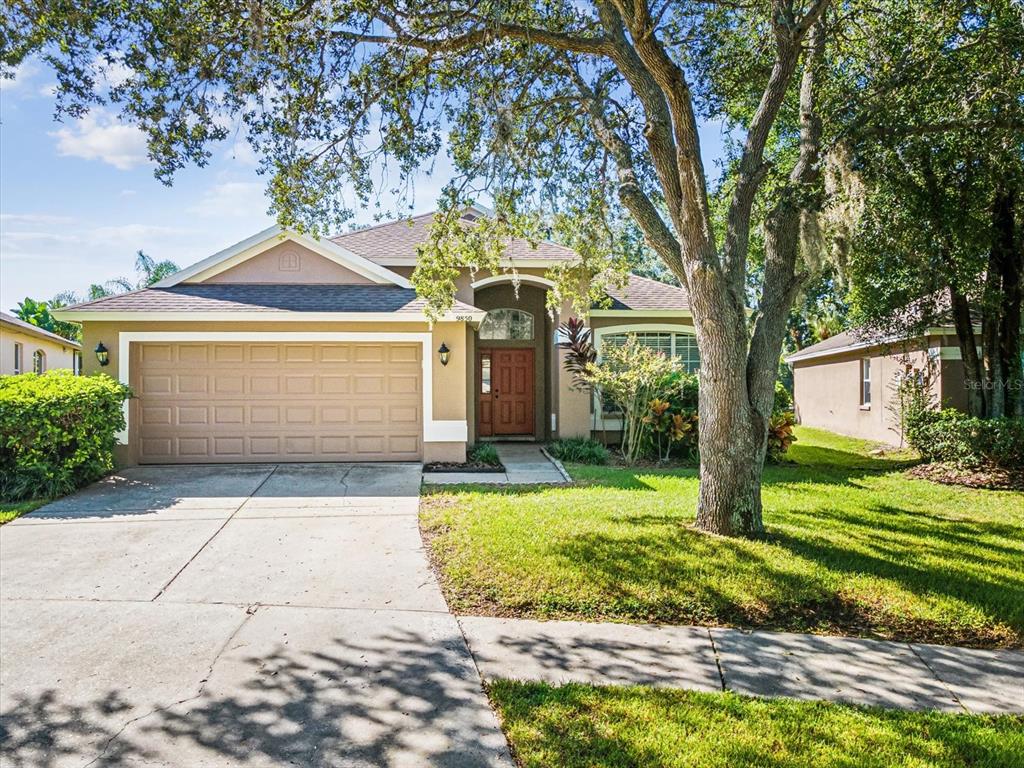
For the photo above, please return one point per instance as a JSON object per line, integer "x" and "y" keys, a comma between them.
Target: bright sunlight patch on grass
{"x": 576, "y": 726}
{"x": 10, "y": 510}
{"x": 854, "y": 547}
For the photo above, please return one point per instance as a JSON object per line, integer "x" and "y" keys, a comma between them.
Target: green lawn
{"x": 9, "y": 510}
{"x": 576, "y": 726}
{"x": 854, "y": 547}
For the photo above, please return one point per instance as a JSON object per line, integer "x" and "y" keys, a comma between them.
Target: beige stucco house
{"x": 287, "y": 348}
{"x": 846, "y": 383}
{"x": 27, "y": 348}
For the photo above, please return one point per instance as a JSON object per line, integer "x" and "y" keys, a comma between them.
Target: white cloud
{"x": 231, "y": 199}
{"x": 101, "y": 136}
{"x": 24, "y": 74}
{"x": 44, "y": 254}
{"x": 242, "y": 153}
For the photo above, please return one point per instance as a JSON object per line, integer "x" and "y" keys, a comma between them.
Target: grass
{"x": 577, "y": 726}
{"x": 11, "y": 510}
{"x": 855, "y": 547}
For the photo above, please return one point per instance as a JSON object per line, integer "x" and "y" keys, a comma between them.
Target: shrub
{"x": 952, "y": 436}
{"x": 780, "y": 434}
{"x": 579, "y": 450}
{"x": 783, "y": 399}
{"x": 57, "y": 431}
{"x": 630, "y": 377}
{"x": 484, "y": 453}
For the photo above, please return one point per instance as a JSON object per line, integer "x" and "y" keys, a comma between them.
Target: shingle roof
{"x": 399, "y": 240}
{"x": 35, "y": 330}
{"x": 642, "y": 293}
{"x": 258, "y": 297}
{"x": 838, "y": 343}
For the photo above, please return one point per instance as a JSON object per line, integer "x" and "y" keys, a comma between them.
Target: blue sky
{"x": 78, "y": 199}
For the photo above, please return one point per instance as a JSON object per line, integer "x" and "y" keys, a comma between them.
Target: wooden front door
{"x": 506, "y": 392}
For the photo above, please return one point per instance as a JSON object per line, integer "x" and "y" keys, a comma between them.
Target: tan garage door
{"x": 225, "y": 402}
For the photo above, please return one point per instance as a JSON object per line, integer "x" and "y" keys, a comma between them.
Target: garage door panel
{"x": 288, "y": 402}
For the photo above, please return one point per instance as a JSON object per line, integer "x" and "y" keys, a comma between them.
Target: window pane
{"x": 485, "y": 374}
{"x": 687, "y": 352}
{"x": 507, "y": 324}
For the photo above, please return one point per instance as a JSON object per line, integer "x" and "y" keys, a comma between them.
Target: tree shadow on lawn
{"x": 666, "y": 572}
{"x": 577, "y": 725}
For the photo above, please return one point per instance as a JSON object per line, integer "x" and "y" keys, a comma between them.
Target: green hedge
{"x": 57, "y": 431}
{"x": 952, "y": 436}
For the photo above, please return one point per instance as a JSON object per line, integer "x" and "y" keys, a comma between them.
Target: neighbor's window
{"x": 680, "y": 345}
{"x": 485, "y": 374}
{"x": 76, "y": 362}
{"x": 865, "y": 381}
{"x": 507, "y": 325}
{"x": 38, "y": 361}
{"x": 18, "y": 352}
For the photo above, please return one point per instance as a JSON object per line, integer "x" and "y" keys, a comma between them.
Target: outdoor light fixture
{"x": 102, "y": 354}
{"x": 444, "y": 353}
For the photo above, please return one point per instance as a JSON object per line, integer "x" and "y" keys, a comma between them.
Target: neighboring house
{"x": 27, "y": 348}
{"x": 286, "y": 348}
{"x": 847, "y": 384}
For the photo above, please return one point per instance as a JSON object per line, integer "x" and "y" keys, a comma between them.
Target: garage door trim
{"x": 433, "y": 430}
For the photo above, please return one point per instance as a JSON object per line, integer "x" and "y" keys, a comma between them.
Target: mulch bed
{"x": 994, "y": 478}
{"x": 468, "y": 466}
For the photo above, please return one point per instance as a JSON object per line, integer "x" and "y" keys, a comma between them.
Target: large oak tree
{"x": 579, "y": 113}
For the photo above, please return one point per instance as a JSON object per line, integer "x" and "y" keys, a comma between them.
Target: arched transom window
{"x": 507, "y": 324}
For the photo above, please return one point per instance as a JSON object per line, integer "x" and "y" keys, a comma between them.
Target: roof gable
{"x": 272, "y": 237}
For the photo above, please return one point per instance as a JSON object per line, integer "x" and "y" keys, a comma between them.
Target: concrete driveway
{"x": 253, "y": 615}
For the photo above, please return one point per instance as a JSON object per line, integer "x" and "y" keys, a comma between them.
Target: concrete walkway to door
{"x": 253, "y": 615}
{"x": 525, "y": 464}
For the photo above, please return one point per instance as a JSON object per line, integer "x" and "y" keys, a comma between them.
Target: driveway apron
{"x": 256, "y": 615}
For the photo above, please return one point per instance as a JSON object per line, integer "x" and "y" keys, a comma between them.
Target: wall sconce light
{"x": 444, "y": 353}
{"x": 102, "y": 354}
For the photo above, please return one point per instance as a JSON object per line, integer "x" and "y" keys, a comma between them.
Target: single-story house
{"x": 847, "y": 383}
{"x": 288, "y": 348}
{"x": 27, "y": 348}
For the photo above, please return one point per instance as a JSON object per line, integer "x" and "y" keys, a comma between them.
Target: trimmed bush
{"x": 952, "y": 436}
{"x": 484, "y": 453}
{"x": 57, "y": 431}
{"x": 579, "y": 450}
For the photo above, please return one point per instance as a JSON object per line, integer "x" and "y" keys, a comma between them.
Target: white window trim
{"x": 541, "y": 282}
{"x": 604, "y": 422}
{"x": 19, "y": 357}
{"x": 865, "y": 404}
{"x": 434, "y": 431}
{"x": 41, "y": 354}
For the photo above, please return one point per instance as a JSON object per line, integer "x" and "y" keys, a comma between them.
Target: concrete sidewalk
{"x": 769, "y": 664}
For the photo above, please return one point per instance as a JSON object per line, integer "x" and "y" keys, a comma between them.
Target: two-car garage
{"x": 277, "y": 401}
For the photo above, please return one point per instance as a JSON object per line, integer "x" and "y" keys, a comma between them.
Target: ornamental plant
{"x": 629, "y": 377}
{"x": 57, "y": 431}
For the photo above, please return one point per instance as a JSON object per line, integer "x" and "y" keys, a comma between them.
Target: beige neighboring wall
{"x": 448, "y": 384}
{"x": 289, "y": 263}
{"x": 57, "y": 355}
{"x": 827, "y": 394}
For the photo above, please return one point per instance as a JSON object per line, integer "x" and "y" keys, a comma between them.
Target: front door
{"x": 506, "y": 392}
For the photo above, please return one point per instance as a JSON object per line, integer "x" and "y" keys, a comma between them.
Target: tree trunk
{"x": 1008, "y": 263}
{"x": 731, "y": 456}
{"x": 974, "y": 376}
